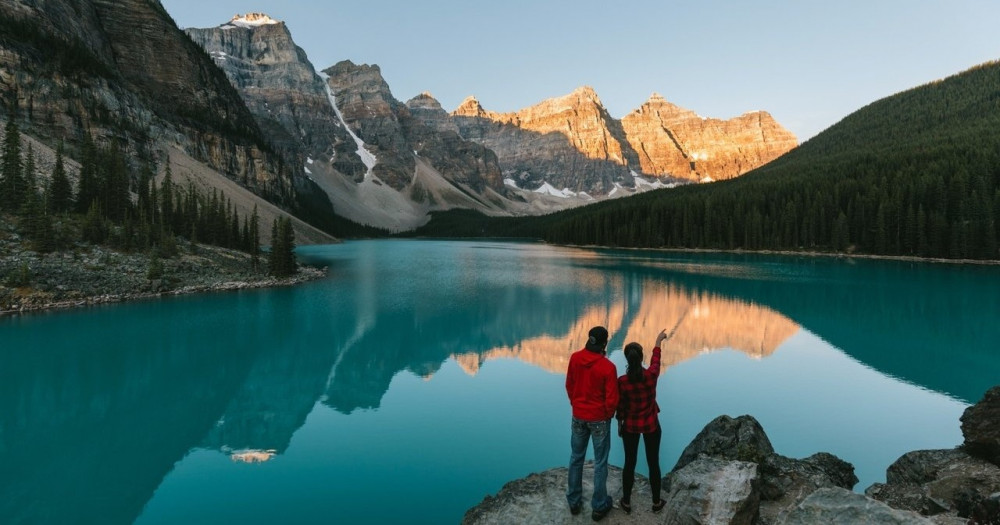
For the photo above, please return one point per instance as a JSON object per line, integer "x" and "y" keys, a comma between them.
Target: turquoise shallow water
{"x": 420, "y": 376}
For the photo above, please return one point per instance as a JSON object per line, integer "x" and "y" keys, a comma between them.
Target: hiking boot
{"x": 599, "y": 515}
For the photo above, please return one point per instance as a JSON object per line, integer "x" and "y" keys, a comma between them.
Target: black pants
{"x": 652, "y": 443}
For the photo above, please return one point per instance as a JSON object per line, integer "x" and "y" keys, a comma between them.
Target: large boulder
{"x": 740, "y": 438}
{"x": 712, "y": 490}
{"x": 784, "y": 482}
{"x": 836, "y": 506}
{"x": 933, "y": 482}
{"x": 981, "y": 427}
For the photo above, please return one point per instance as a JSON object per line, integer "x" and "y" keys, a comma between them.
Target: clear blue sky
{"x": 807, "y": 62}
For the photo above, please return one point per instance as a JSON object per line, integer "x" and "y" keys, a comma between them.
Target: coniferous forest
{"x": 915, "y": 174}
{"x": 115, "y": 207}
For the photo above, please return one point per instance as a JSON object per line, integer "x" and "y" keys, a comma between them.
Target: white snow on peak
{"x": 367, "y": 157}
{"x": 307, "y": 170}
{"x": 252, "y": 20}
{"x": 309, "y": 160}
{"x": 510, "y": 182}
{"x": 548, "y": 189}
{"x": 643, "y": 183}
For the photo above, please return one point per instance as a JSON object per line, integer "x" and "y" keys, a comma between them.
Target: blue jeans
{"x": 583, "y": 431}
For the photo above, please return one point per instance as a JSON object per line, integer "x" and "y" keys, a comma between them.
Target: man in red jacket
{"x": 592, "y": 387}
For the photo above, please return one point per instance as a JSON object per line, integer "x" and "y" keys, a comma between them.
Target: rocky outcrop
{"x": 783, "y": 482}
{"x": 677, "y": 141}
{"x": 934, "y": 482}
{"x": 713, "y": 490}
{"x": 731, "y": 465}
{"x": 837, "y": 506}
{"x": 540, "y": 499}
{"x": 729, "y": 474}
{"x": 728, "y": 438}
{"x": 981, "y": 427}
{"x": 961, "y": 483}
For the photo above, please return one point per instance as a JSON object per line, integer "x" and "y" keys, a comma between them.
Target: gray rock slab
{"x": 712, "y": 491}
{"x": 837, "y": 506}
{"x": 540, "y": 498}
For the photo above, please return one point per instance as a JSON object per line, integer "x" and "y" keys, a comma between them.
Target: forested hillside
{"x": 913, "y": 174}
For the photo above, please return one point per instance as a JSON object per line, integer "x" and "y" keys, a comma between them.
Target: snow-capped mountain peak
{"x": 252, "y": 20}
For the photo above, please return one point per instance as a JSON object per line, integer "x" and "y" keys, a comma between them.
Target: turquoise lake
{"x": 420, "y": 376}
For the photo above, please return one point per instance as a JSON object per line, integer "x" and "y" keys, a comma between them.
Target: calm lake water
{"x": 420, "y": 376}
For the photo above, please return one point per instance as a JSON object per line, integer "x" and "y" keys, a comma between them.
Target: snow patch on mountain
{"x": 367, "y": 157}
{"x": 548, "y": 189}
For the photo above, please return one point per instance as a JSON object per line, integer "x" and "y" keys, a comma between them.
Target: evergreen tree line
{"x": 281, "y": 261}
{"x": 915, "y": 174}
{"x": 130, "y": 212}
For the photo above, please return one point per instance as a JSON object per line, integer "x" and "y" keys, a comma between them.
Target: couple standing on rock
{"x": 597, "y": 394}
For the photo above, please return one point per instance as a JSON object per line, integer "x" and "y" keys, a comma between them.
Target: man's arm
{"x": 611, "y": 391}
{"x": 570, "y": 381}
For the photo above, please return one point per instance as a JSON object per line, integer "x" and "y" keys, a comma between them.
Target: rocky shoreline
{"x": 91, "y": 275}
{"x": 730, "y": 474}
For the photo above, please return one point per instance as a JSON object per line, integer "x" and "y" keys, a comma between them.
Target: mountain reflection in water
{"x": 712, "y": 323}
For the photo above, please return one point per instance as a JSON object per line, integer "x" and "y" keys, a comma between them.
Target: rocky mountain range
{"x": 386, "y": 163}
{"x": 376, "y": 163}
{"x": 243, "y": 101}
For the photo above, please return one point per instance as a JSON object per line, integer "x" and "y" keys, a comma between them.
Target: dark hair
{"x": 633, "y": 355}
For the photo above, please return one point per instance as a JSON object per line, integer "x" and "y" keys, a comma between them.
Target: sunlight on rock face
{"x": 713, "y": 323}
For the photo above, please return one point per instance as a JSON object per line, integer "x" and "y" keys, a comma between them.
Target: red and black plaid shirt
{"x": 637, "y": 406}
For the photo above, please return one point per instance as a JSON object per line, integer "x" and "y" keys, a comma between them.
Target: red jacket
{"x": 592, "y": 386}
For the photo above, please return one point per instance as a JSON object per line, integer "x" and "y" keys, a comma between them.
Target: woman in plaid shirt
{"x": 636, "y": 415}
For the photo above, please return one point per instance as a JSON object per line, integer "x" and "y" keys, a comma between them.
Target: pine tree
{"x": 273, "y": 260}
{"x": 255, "y": 239}
{"x": 88, "y": 187}
{"x": 288, "y": 245}
{"x": 11, "y": 176}
{"x": 31, "y": 213}
{"x": 282, "y": 257}
{"x": 93, "y": 229}
{"x": 167, "y": 201}
{"x": 60, "y": 194}
{"x": 115, "y": 199}
{"x": 28, "y": 174}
